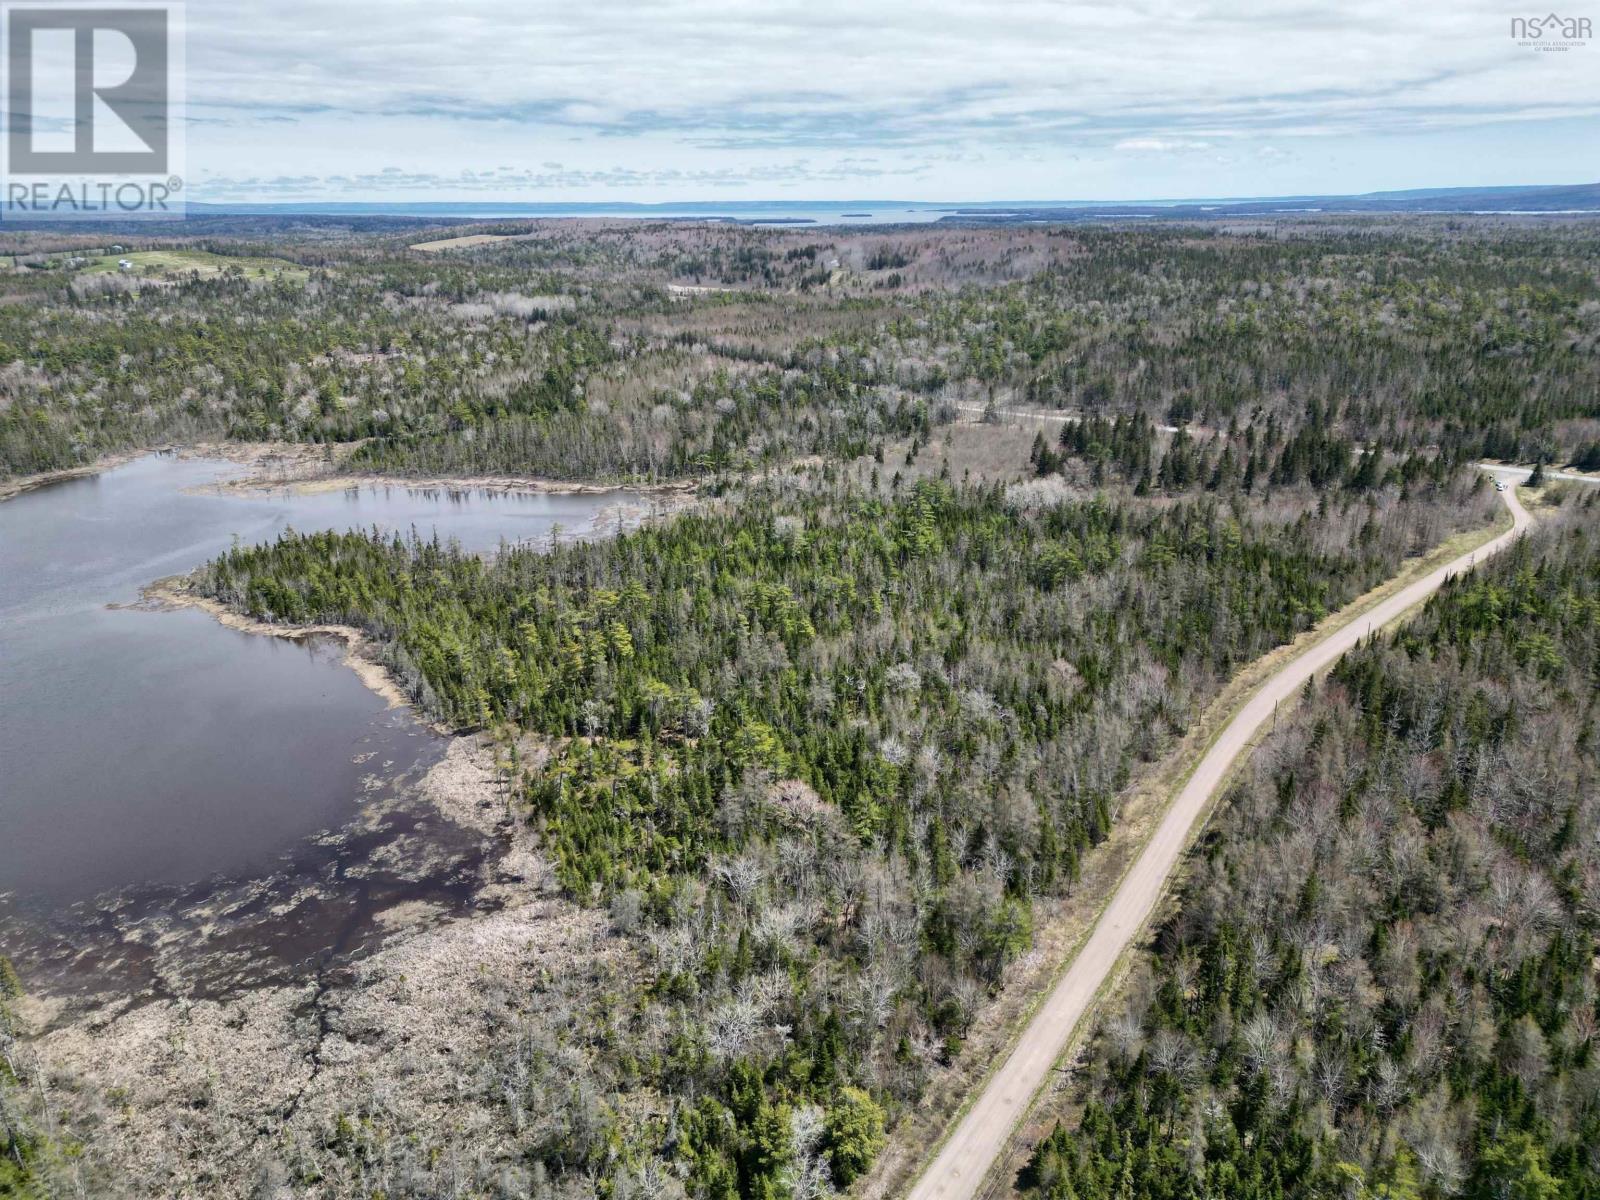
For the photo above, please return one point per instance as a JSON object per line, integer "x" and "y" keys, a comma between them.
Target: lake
{"x": 156, "y": 763}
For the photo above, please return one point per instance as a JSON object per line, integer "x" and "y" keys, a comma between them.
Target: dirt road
{"x": 958, "y": 1171}
{"x": 1018, "y": 414}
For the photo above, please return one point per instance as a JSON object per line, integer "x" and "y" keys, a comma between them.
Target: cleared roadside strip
{"x": 1509, "y": 474}
{"x": 963, "y": 1162}
{"x": 1019, "y": 414}
{"x": 1502, "y": 471}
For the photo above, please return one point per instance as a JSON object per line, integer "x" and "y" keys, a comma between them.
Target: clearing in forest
{"x": 156, "y": 264}
{"x": 463, "y": 243}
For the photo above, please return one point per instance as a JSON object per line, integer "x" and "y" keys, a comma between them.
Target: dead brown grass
{"x": 462, "y": 243}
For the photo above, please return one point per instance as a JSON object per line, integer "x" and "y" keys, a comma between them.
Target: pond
{"x": 158, "y": 768}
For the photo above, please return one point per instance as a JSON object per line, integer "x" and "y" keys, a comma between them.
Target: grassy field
{"x": 159, "y": 264}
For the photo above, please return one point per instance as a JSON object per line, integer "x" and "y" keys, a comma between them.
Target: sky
{"x": 656, "y": 101}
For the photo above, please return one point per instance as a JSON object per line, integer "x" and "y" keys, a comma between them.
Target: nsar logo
{"x": 1551, "y": 32}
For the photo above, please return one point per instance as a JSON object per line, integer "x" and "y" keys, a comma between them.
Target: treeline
{"x": 1381, "y": 976}
{"x": 566, "y": 352}
{"x": 1482, "y": 344}
{"x": 467, "y": 372}
{"x": 819, "y": 749}
{"x": 326, "y": 361}
{"x": 728, "y": 420}
{"x": 1271, "y": 456}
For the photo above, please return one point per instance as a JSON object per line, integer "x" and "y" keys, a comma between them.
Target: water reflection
{"x": 165, "y": 756}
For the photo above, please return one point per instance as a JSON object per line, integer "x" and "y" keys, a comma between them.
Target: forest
{"x": 1379, "y": 977}
{"x": 818, "y": 752}
{"x": 670, "y": 352}
{"x": 818, "y": 748}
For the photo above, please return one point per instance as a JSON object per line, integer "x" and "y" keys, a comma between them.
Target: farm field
{"x": 161, "y": 264}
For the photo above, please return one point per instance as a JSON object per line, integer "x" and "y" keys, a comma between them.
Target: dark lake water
{"x": 160, "y": 753}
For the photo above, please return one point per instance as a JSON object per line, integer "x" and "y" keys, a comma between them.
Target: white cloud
{"x": 715, "y": 84}
{"x": 1152, "y": 145}
{"x": 909, "y": 68}
{"x": 389, "y": 182}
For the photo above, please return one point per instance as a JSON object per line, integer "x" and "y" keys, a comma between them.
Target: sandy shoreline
{"x": 361, "y": 652}
{"x": 465, "y": 785}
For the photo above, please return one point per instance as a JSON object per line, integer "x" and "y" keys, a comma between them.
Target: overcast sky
{"x": 671, "y": 100}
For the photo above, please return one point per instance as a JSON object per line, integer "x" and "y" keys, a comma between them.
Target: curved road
{"x": 958, "y": 1171}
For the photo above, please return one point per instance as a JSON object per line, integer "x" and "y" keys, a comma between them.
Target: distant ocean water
{"x": 1566, "y": 200}
{"x": 748, "y": 213}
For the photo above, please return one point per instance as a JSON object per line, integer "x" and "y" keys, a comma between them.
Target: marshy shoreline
{"x": 260, "y": 457}
{"x": 324, "y": 978}
{"x": 420, "y": 968}
{"x": 396, "y": 1025}
{"x": 309, "y": 468}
